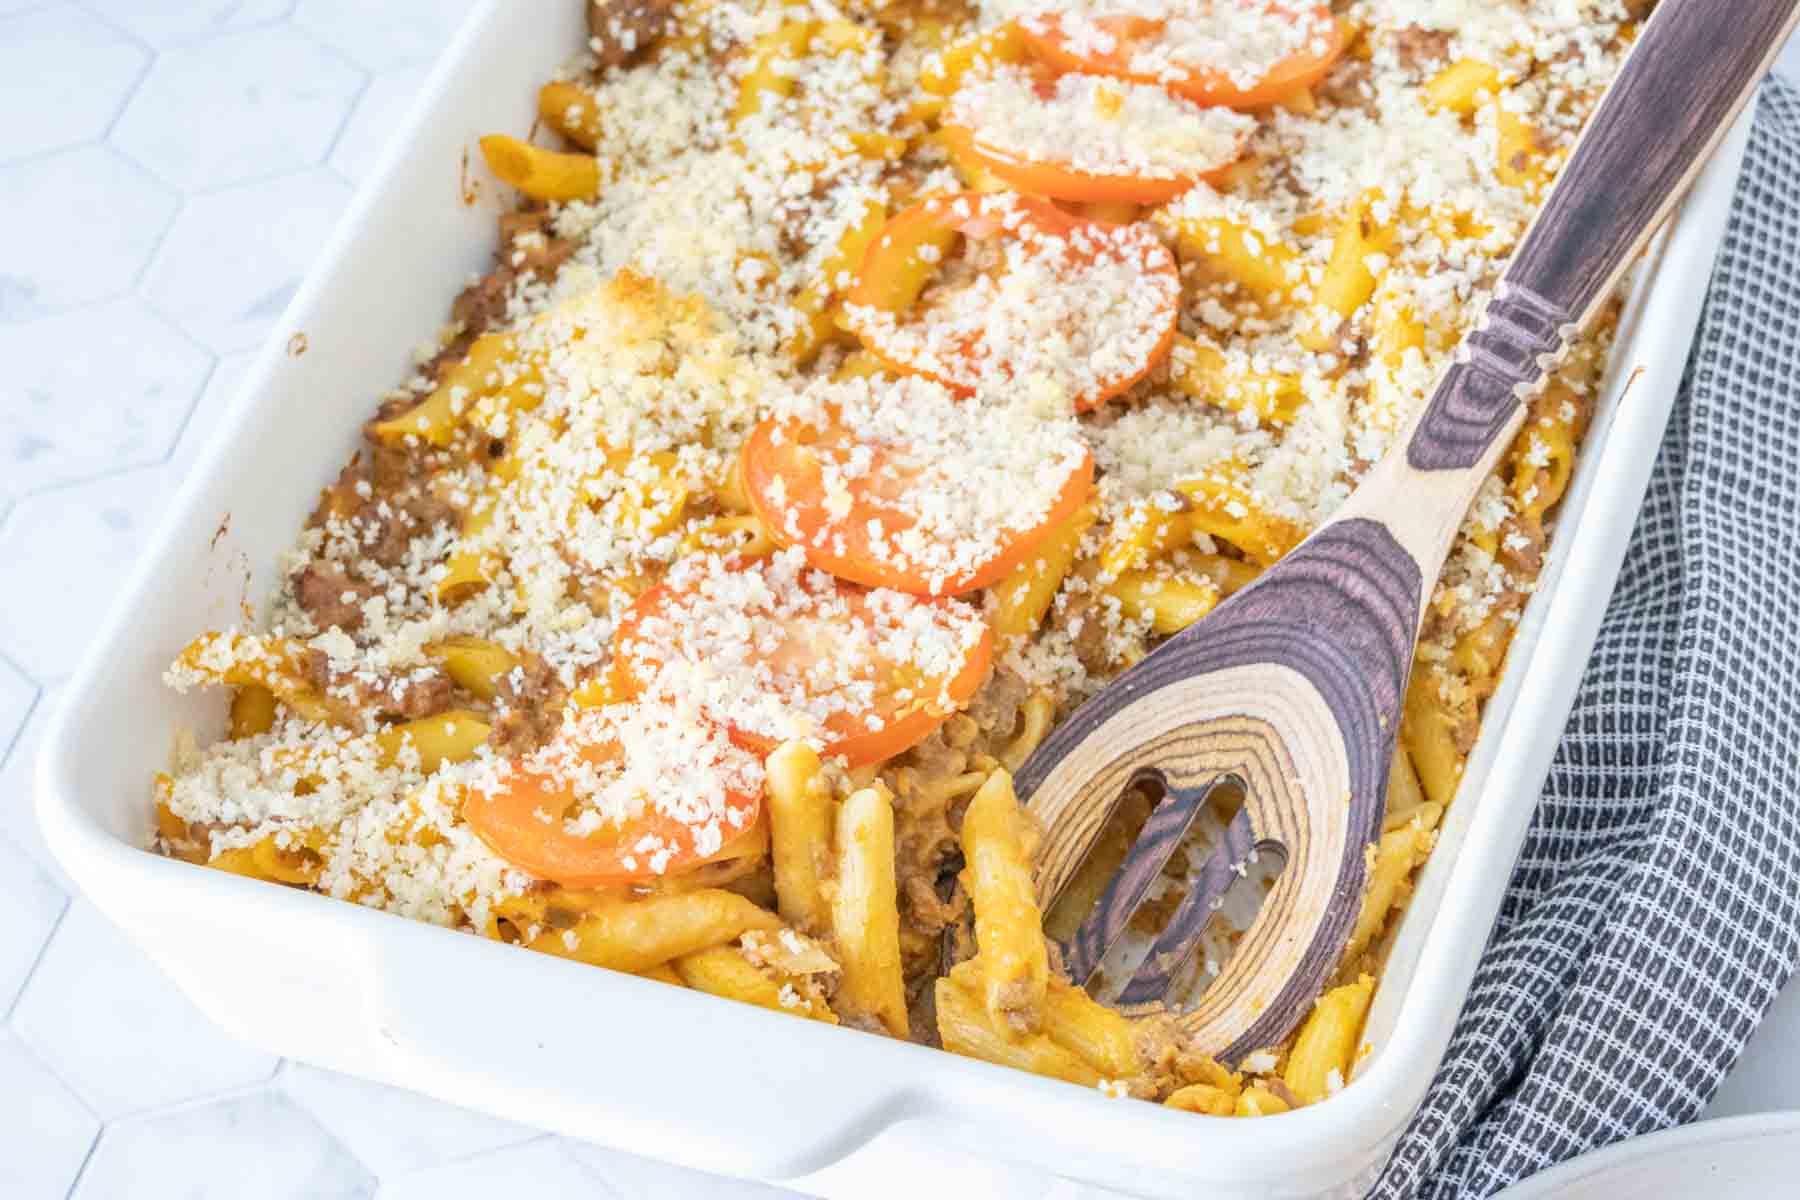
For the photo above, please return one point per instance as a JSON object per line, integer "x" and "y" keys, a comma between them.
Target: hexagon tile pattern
{"x": 170, "y": 169}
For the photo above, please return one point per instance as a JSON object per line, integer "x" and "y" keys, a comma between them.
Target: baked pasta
{"x": 858, "y": 387}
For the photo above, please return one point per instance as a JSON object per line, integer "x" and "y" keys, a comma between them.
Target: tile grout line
{"x": 37, "y": 698}
{"x": 343, "y": 126}
{"x": 70, "y": 310}
{"x": 150, "y": 51}
{"x": 37, "y": 960}
{"x": 137, "y": 82}
{"x": 105, "y": 473}
{"x": 49, "y": 1067}
{"x": 542, "y": 1135}
{"x": 236, "y": 1091}
{"x": 37, "y": 156}
{"x": 86, "y": 1160}
{"x": 207, "y": 192}
{"x": 38, "y": 1053}
{"x": 187, "y": 420}
{"x": 37, "y": 1056}
{"x": 29, "y": 9}
{"x": 162, "y": 237}
{"x": 367, "y": 74}
{"x": 113, "y": 472}
{"x": 192, "y": 41}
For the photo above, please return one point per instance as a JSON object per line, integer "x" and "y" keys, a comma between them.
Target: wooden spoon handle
{"x": 1690, "y": 73}
{"x": 1692, "y": 70}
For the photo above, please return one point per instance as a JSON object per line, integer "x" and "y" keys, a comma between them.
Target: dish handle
{"x": 496, "y": 1037}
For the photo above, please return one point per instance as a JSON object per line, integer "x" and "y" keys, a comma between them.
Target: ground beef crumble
{"x": 327, "y": 594}
{"x": 624, "y": 30}
{"x": 527, "y": 247}
{"x": 1419, "y": 48}
{"x": 423, "y": 692}
{"x": 528, "y": 708}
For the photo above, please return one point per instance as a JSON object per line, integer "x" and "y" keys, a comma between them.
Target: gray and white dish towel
{"x": 1655, "y": 911}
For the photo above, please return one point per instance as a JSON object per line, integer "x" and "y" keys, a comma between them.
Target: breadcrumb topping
{"x": 1058, "y": 317}
{"x": 1098, "y": 126}
{"x": 780, "y": 650}
{"x": 945, "y": 483}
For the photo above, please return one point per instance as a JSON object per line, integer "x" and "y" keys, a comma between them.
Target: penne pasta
{"x": 966, "y": 1028}
{"x": 1260, "y": 1102}
{"x": 436, "y": 418}
{"x": 1361, "y": 244}
{"x": 865, "y": 918}
{"x": 252, "y": 710}
{"x": 1396, "y": 856}
{"x": 1224, "y": 506}
{"x": 476, "y": 664}
{"x": 1099, "y": 1035}
{"x": 277, "y": 665}
{"x": 1325, "y": 1048}
{"x": 1462, "y": 86}
{"x": 818, "y": 300}
{"x": 637, "y": 935}
{"x": 1021, "y": 600}
{"x": 800, "y": 825}
{"x": 1204, "y": 372}
{"x": 1428, "y": 734}
{"x": 662, "y": 973}
{"x": 1015, "y": 966}
{"x": 448, "y": 737}
{"x": 724, "y": 971}
{"x": 1267, "y": 269}
{"x": 1170, "y": 600}
{"x": 539, "y": 173}
{"x": 1205, "y": 1099}
{"x": 572, "y": 111}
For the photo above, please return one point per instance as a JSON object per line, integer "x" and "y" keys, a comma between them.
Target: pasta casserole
{"x": 860, "y": 385}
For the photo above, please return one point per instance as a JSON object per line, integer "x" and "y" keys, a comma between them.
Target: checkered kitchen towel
{"x": 1656, "y": 909}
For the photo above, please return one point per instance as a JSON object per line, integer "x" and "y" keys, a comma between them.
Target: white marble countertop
{"x": 169, "y": 169}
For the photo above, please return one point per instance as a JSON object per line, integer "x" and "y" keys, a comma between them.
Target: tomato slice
{"x": 621, "y": 794}
{"x": 1090, "y": 138}
{"x": 899, "y": 483}
{"x": 774, "y": 650}
{"x": 1236, "y": 53}
{"x": 1070, "y": 311}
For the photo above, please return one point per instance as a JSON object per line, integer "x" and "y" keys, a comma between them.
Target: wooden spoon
{"x": 1292, "y": 688}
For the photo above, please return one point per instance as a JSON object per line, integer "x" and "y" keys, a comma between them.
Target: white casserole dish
{"x": 635, "y": 1064}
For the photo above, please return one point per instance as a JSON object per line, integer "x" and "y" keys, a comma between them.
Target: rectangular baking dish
{"x": 674, "y": 1074}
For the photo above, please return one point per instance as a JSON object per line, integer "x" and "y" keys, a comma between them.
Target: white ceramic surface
{"x": 1743, "y": 1158}
{"x": 155, "y": 232}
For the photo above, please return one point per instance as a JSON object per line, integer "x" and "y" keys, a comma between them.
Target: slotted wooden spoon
{"x": 1292, "y": 688}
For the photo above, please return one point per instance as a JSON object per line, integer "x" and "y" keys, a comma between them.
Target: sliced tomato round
{"x": 1037, "y": 299}
{"x": 1062, "y": 181}
{"x": 1090, "y": 138}
{"x": 621, "y": 794}
{"x": 899, "y": 483}
{"x": 776, "y": 650}
{"x": 1165, "y": 50}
